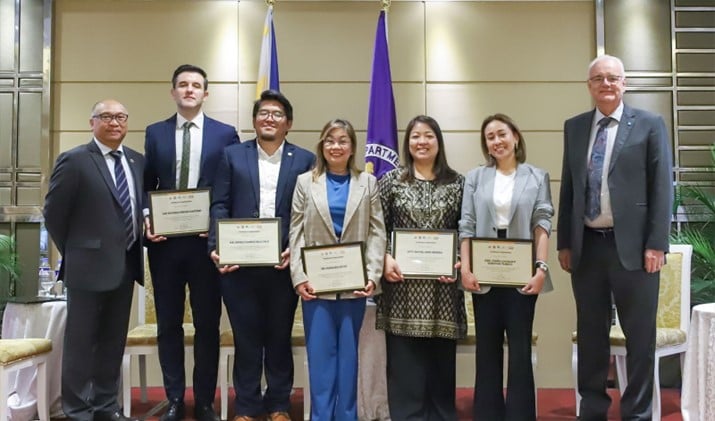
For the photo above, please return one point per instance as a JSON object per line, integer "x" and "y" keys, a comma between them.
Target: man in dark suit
{"x": 93, "y": 214}
{"x": 182, "y": 152}
{"x": 256, "y": 179}
{"x": 614, "y": 221}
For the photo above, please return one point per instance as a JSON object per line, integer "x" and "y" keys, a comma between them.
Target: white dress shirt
{"x": 269, "y": 167}
{"x": 127, "y": 171}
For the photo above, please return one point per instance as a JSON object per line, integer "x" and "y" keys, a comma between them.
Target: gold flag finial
{"x": 386, "y": 4}
{"x": 270, "y": 3}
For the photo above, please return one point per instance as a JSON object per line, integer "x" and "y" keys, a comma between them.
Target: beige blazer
{"x": 311, "y": 224}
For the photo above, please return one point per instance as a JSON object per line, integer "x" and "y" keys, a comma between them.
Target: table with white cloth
{"x": 35, "y": 320}
{"x": 698, "y": 394}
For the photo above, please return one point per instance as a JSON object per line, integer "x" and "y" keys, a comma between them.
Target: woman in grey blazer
{"x": 335, "y": 203}
{"x": 506, "y": 198}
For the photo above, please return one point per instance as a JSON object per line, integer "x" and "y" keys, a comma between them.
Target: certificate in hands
{"x": 249, "y": 241}
{"x": 175, "y": 213}
{"x": 502, "y": 262}
{"x": 335, "y": 267}
{"x": 423, "y": 254}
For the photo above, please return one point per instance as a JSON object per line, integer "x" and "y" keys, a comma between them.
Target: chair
{"x": 468, "y": 345}
{"x": 672, "y": 322}
{"x": 142, "y": 339}
{"x": 298, "y": 344}
{"x": 16, "y": 354}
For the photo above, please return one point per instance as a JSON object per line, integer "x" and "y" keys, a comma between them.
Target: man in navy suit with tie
{"x": 182, "y": 152}
{"x": 93, "y": 214}
{"x": 256, "y": 179}
{"x": 613, "y": 227}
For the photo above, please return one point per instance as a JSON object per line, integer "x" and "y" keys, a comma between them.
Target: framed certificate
{"x": 335, "y": 267}
{"x": 179, "y": 212}
{"x": 502, "y": 262}
{"x": 423, "y": 254}
{"x": 249, "y": 241}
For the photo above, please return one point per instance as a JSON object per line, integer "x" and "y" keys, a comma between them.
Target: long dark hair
{"x": 443, "y": 173}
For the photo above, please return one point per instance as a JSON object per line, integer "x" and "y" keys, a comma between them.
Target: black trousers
{"x": 261, "y": 306}
{"x": 421, "y": 378}
{"x": 175, "y": 263}
{"x": 599, "y": 275}
{"x": 95, "y": 336}
{"x": 501, "y": 310}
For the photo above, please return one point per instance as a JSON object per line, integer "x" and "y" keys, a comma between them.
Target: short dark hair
{"x": 443, "y": 173}
{"x": 519, "y": 149}
{"x": 273, "y": 95}
{"x": 192, "y": 69}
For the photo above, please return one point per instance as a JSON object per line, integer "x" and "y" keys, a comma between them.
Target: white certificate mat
{"x": 335, "y": 268}
{"x": 249, "y": 241}
{"x": 179, "y": 212}
{"x": 423, "y": 254}
{"x": 502, "y": 262}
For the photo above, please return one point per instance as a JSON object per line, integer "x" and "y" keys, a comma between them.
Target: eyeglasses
{"x": 107, "y": 118}
{"x": 329, "y": 143}
{"x": 610, "y": 78}
{"x": 277, "y": 115}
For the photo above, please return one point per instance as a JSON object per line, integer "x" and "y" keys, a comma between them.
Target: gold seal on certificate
{"x": 335, "y": 267}
{"x": 423, "y": 254}
{"x": 502, "y": 262}
{"x": 249, "y": 241}
{"x": 179, "y": 212}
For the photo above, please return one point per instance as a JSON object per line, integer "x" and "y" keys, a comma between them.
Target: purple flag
{"x": 381, "y": 147}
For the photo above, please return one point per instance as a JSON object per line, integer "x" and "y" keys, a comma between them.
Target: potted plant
{"x": 700, "y": 233}
{"x": 8, "y": 262}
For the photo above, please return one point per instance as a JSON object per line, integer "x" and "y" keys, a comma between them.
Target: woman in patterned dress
{"x": 422, "y": 318}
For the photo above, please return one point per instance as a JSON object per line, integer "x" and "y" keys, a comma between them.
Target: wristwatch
{"x": 542, "y": 265}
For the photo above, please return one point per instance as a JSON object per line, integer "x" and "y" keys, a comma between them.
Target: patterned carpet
{"x": 553, "y": 404}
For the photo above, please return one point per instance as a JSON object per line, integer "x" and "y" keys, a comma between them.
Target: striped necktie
{"x": 595, "y": 170}
{"x": 122, "y": 186}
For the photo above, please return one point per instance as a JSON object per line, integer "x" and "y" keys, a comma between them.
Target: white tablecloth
{"x": 698, "y": 395}
{"x": 372, "y": 384}
{"x": 42, "y": 320}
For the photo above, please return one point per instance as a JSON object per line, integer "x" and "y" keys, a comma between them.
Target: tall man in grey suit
{"x": 256, "y": 179}
{"x": 614, "y": 221}
{"x": 182, "y": 152}
{"x": 93, "y": 213}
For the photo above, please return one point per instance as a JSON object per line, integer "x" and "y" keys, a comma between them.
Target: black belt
{"x": 603, "y": 232}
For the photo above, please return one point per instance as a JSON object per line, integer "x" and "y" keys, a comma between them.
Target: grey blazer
{"x": 530, "y": 207}
{"x": 639, "y": 182}
{"x": 311, "y": 224}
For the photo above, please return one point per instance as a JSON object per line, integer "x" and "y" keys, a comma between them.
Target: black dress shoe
{"x": 174, "y": 412}
{"x": 113, "y": 416}
{"x": 205, "y": 413}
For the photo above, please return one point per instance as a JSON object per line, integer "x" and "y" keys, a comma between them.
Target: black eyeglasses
{"x": 107, "y": 118}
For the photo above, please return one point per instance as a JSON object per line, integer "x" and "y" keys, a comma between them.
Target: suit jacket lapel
{"x": 580, "y": 142}
{"x": 522, "y": 175}
{"x": 286, "y": 166}
{"x": 486, "y": 187}
{"x": 319, "y": 193}
{"x": 355, "y": 196}
{"x": 252, "y": 164}
{"x": 101, "y": 164}
{"x": 136, "y": 174}
{"x": 170, "y": 136}
{"x": 624, "y": 129}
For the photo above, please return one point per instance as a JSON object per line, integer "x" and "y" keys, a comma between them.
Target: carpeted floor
{"x": 553, "y": 404}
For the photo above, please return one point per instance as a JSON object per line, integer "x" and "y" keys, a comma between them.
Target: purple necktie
{"x": 120, "y": 179}
{"x": 595, "y": 170}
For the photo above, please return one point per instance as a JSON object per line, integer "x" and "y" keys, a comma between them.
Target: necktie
{"x": 595, "y": 170}
{"x": 124, "y": 199}
{"x": 185, "y": 156}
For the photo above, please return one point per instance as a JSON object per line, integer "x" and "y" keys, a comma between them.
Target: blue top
{"x": 338, "y": 190}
